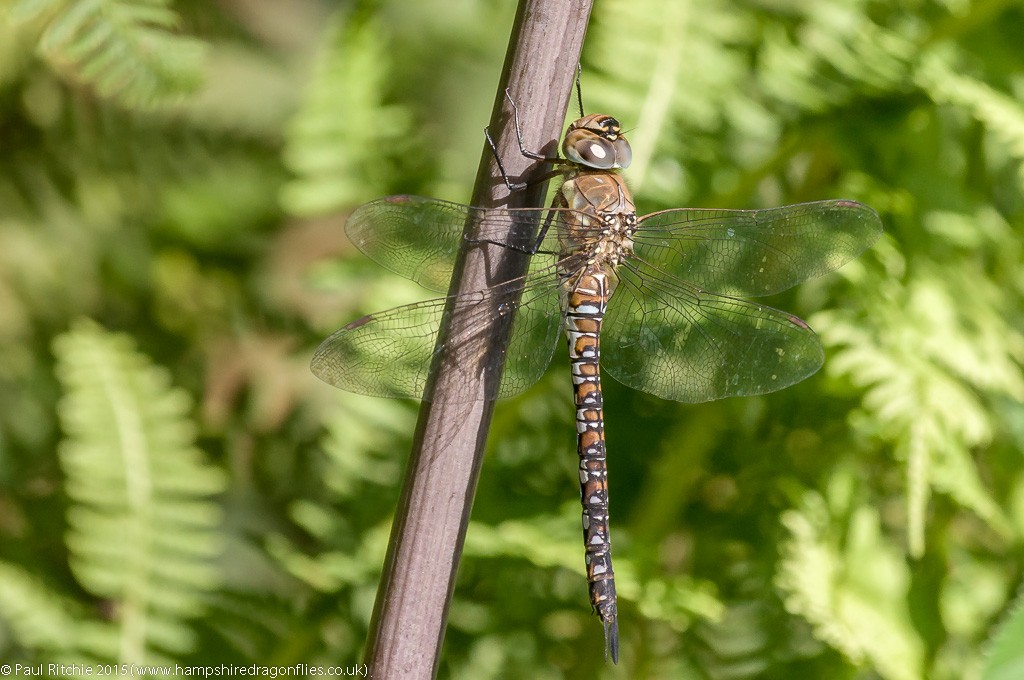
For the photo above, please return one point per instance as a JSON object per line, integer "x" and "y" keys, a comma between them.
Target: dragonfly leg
{"x": 543, "y": 231}
{"x": 535, "y": 248}
{"x": 531, "y": 250}
{"x": 579, "y": 89}
{"x": 537, "y": 156}
{"x": 512, "y": 186}
{"x": 519, "y": 186}
{"x": 534, "y": 155}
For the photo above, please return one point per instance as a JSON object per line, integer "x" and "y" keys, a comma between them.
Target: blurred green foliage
{"x": 175, "y": 486}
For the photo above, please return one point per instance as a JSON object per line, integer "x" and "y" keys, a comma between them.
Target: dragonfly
{"x": 659, "y": 302}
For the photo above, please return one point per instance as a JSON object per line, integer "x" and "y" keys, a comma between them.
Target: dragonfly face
{"x": 656, "y": 301}
{"x": 595, "y": 141}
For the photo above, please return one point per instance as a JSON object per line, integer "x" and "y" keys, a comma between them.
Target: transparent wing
{"x": 419, "y": 238}
{"x": 756, "y": 252}
{"x": 675, "y": 341}
{"x": 390, "y": 353}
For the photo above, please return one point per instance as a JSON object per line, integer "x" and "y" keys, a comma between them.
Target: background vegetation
{"x": 175, "y": 486}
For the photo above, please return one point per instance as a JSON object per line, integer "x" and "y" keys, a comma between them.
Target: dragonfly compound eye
{"x": 623, "y": 153}
{"x": 595, "y": 142}
{"x": 589, "y": 149}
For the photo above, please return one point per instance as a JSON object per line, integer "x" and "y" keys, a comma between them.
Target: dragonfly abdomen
{"x": 586, "y": 301}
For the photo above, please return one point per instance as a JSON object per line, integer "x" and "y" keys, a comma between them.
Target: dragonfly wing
{"x": 390, "y": 353}
{"x": 419, "y": 238}
{"x": 677, "y": 342}
{"x": 756, "y": 252}
{"x": 536, "y": 330}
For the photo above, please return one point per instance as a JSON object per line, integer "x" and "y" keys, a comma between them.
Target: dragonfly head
{"x": 596, "y": 141}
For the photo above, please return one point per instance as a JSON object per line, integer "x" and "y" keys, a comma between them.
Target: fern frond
{"x": 835, "y": 53}
{"x": 334, "y": 570}
{"x": 549, "y": 542}
{"x": 1000, "y": 113}
{"x": 37, "y": 618}
{"x": 926, "y": 353}
{"x": 340, "y": 141}
{"x": 681, "y": 50}
{"x": 850, "y": 584}
{"x": 543, "y": 540}
{"x": 125, "y": 49}
{"x": 360, "y": 443}
{"x": 696, "y": 81}
{"x": 55, "y": 627}
{"x": 142, "y": 526}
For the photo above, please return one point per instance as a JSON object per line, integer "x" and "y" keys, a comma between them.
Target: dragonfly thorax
{"x": 602, "y": 219}
{"x": 613, "y": 247}
{"x": 596, "y": 141}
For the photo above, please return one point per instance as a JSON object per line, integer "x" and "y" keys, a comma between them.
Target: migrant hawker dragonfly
{"x": 677, "y": 326}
